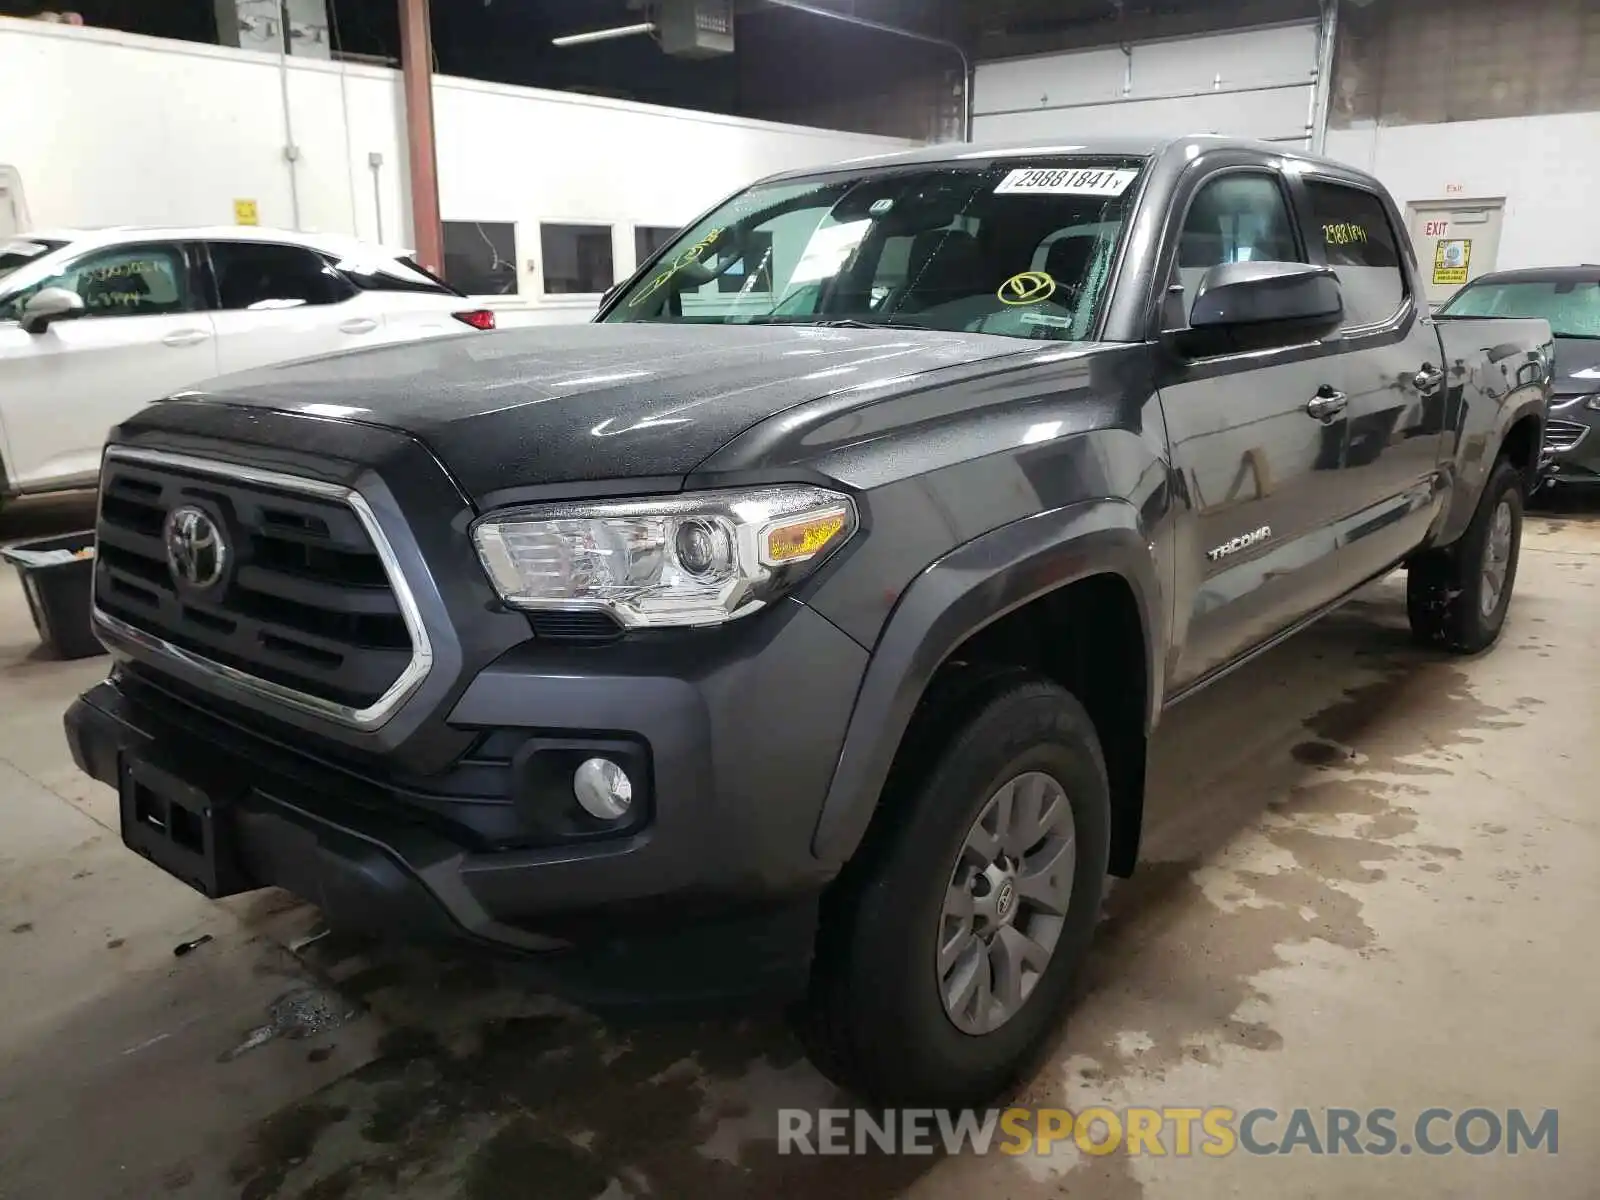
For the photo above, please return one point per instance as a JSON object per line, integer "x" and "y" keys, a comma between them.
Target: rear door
{"x": 1260, "y": 472}
{"x": 142, "y": 338}
{"x": 1393, "y": 370}
{"x": 277, "y": 302}
{"x": 414, "y": 303}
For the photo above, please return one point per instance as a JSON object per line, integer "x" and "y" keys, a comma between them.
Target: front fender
{"x": 971, "y": 587}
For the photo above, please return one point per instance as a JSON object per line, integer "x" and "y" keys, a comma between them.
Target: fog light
{"x": 603, "y": 788}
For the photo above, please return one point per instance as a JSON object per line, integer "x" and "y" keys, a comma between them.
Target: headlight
{"x": 695, "y": 559}
{"x": 1593, "y": 402}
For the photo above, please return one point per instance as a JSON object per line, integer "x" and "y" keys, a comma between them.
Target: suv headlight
{"x": 1593, "y": 402}
{"x": 694, "y": 559}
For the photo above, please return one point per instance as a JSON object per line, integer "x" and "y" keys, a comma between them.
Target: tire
{"x": 1451, "y": 596}
{"x": 877, "y": 1021}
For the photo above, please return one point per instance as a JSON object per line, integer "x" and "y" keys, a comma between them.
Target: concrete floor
{"x": 1371, "y": 881}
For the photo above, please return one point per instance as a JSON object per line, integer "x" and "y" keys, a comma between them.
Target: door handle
{"x": 185, "y": 337}
{"x": 358, "y": 325}
{"x": 1428, "y": 378}
{"x": 1326, "y": 404}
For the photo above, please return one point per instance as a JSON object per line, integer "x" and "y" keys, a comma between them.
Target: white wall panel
{"x": 1534, "y": 163}
{"x": 120, "y": 129}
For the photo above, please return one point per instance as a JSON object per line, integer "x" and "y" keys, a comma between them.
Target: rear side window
{"x": 1361, "y": 249}
{"x": 261, "y": 276}
{"x": 393, "y": 275}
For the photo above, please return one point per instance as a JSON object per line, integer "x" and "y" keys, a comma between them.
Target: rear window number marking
{"x": 1049, "y": 181}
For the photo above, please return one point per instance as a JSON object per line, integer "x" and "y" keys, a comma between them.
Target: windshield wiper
{"x": 834, "y": 322}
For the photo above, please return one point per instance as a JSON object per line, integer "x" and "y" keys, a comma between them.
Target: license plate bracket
{"x": 179, "y": 828}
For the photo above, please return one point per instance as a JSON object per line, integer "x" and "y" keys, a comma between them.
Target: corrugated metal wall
{"x": 1420, "y": 62}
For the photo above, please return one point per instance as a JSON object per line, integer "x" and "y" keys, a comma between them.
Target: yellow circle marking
{"x": 1030, "y": 287}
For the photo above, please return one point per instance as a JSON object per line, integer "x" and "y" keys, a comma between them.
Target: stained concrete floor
{"x": 1371, "y": 881}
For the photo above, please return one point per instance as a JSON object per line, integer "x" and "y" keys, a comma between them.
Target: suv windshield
{"x": 21, "y": 252}
{"x": 1572, "y": 306}
{"x": 1020, "y": 248}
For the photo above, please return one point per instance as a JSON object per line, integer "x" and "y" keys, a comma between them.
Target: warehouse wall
{"x": 122, "y": 129}
{"x": 1479, "y": 99}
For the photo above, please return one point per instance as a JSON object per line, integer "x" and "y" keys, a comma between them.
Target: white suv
{"x": 94, "y": 324}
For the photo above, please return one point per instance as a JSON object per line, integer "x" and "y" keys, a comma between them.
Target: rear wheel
{"x": 1457, "y": 597}
{"x": 948, "y": 952}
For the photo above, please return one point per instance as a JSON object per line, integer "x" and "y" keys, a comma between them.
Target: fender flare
{"x": 1473, "y": 474}
{"x": 971, "y": 587}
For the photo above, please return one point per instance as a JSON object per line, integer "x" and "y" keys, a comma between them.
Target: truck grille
{"x": 1560, "y": 436}
{"x": 299, "y": 604}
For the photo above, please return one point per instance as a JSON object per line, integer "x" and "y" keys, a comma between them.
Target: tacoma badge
{"x": 1242, "y": 542}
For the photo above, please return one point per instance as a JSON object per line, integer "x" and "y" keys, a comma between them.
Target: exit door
{"x": 1456, "y": 242}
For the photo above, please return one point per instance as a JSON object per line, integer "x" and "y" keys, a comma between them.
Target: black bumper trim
{"x": 387, "y": 876}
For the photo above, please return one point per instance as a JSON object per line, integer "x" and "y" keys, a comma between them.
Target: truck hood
{"x": 1577, "y": 365}
{"x": 596, "y": 402}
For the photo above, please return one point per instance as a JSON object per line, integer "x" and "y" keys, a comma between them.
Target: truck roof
{"x": 1127, "y": 146}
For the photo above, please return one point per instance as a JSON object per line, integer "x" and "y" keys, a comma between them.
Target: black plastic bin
{"x": 58, "y": 591}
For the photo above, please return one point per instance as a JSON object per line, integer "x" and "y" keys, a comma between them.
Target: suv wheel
{"x": 1457, "y": 596}
{"x": 948, "y": 949}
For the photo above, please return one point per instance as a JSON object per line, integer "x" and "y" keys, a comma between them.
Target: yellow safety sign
{"x": 1030, "y": 287}
{"x": 244, "y": 213}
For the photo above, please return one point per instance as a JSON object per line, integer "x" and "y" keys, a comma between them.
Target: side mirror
{"x": 51, "y": 304}
{"x": 1257, "y": 305}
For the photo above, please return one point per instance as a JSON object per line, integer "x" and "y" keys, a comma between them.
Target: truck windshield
{"x": 1020, "y": 248}
{"x": 1572, "y": 306}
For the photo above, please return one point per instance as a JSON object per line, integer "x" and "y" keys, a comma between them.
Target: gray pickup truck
{"x": 798, "y": 628}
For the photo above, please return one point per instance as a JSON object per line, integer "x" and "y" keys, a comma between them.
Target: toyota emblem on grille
{"x": 196, "y": 552}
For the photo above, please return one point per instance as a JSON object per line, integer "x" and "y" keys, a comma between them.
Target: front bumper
{"x": 713, "y": 894}
{"x": 1571, "y": 453}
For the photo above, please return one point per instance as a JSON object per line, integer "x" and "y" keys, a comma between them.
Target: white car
{"x": 94, "y": 324}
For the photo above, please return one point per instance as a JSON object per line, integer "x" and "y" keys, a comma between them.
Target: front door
{"x": 1456, "y": 241}
{"x": 1259, "y": 439}
{"x": 141, "y": 339}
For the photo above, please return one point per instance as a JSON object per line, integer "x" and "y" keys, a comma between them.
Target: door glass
{"x": 127, "y": 281}
{"x": 1362, "y": 250}
{"x": 262, "y": 276}
{"x": 1234, "y": 218}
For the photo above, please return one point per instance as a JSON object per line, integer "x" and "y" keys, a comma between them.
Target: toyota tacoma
{"x": 798, "y": 628}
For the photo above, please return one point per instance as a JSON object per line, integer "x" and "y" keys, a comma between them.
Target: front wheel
{"x": 947, "y": 954}
{"x": 1457, "y": 597}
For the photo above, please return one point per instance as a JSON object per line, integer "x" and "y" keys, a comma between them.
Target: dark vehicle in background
{"x": 1568, "y": 298}
{"x": 800, "y": 626}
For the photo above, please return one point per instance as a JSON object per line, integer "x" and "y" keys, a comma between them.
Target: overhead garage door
{"x": 1258, "y": 83}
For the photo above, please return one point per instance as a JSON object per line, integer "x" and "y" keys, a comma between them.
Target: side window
{"x": 261, "y": 276}
{"x": 1240, "y": 217}
{"x": 1361, "y": 248}
{"x": 392, "y": 275}
{"x": 127, "y": 281}
{"x": 480, "y": 257}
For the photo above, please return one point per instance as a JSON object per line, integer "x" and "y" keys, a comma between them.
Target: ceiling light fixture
{"x": 603, "y": 35}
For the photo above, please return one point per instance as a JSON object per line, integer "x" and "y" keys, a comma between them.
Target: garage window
{"x": 647, "y": 239}
{"x": 480, "y": 257}
{"x": 1361, "y": 249}
{"x": 576, "y": 259}
{"x": 259, "y": 276}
